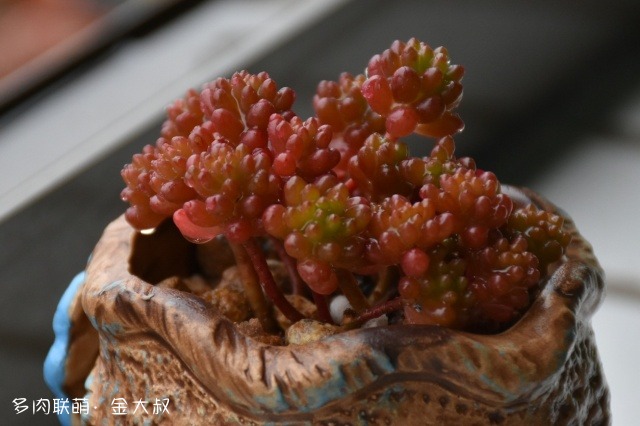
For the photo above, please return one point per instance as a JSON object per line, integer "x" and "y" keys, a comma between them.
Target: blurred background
{"x": 552, "y": 101}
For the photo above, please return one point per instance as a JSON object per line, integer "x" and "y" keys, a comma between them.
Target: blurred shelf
{"x": 46, "y": 40}
{"x": 99, "y": 110}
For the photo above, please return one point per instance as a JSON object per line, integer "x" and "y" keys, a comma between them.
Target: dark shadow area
{"x": 162, "y": 254}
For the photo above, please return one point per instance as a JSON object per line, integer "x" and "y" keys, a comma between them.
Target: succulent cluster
{"x": 430, "y": 240}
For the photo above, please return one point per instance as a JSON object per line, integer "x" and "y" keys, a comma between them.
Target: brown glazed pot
{"x": 155, "y": 342}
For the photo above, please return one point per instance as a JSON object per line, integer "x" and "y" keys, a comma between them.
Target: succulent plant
{"x": 425, "y": 240}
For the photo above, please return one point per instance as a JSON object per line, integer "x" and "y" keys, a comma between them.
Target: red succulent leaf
{"x": 416, "y": 89}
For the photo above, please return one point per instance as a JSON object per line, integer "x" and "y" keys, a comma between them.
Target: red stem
{"x": 323, "y": 307}
{"x": 252, "y": 288}
{"x": 297, "y": 285}
{"x": 374, "y": 312}
{"x": 351, "y": 290}
{"x": 388, "y": 275}
{"x": 268, "y": 284}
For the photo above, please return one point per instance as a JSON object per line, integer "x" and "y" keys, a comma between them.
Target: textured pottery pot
{"x": 129, "y": 339}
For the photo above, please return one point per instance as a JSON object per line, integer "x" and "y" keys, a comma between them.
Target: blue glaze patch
{"x": 313, "y": 398}
{"x": 112, "y": 329}
{"x": 88, "y": 382}
{"x": 489, "y": 381}
{"x": 55, "y": 363}
{"x": 109, "y": 287}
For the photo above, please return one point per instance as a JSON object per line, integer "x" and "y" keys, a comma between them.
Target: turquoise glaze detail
{"x": 55, "y": 363}
{"x": 335, "y": 387}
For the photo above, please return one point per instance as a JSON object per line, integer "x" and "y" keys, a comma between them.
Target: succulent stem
{"x": 267, "y": 282}
{"x": 386, "y": 277}
{"x": 297, "y": 285}
{"x": 252, "y": 288}
{"x": 323, "y": 307}
{"x": 375, "y": 311}
{"x": 349, "y": 286}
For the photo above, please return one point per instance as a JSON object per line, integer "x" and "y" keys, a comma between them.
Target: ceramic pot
{"x": 128, "y": 340}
